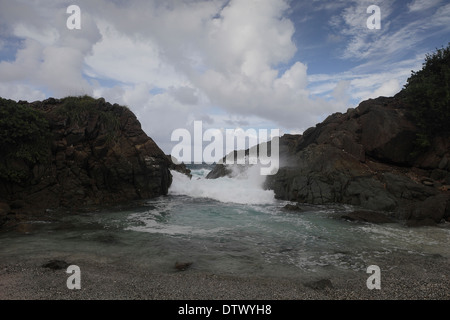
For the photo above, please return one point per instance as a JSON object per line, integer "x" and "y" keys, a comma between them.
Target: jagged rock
{"x": 219, "y": 170}
{"x": 364, "y": 157}
{"x": 181, "y": 167}
{"x": 327, "y": 165}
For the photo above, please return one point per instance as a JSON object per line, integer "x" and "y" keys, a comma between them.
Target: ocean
{"x": 226, "y": 226}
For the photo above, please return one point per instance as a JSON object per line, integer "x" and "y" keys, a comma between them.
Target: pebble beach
{"x": 406, "y": 280}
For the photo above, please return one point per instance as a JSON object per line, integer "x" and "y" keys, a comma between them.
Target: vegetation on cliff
{"x": 427, "y": 92}
{"x": 79, "y": 109}
{"x": 24, "y": 139}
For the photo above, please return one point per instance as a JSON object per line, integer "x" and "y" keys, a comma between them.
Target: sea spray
{"x": 244, "y": 188}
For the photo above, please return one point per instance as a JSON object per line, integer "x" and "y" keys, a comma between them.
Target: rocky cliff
{"x": 93, "y": 153}
{"x": 366, "y": 157}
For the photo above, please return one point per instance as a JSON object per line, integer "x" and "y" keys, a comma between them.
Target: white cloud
{"x": 185, "y": 94}
{"x": 387, "y": 89}
{"x": 51, "y": 58}
{"x": 19, "y": 91}
{"x": 130, "y": 59}
{"x": 421, "y": 5}
{"x": 46, "y": 37}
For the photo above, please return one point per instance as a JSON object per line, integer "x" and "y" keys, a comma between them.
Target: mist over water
{"x": 243, "y": 188}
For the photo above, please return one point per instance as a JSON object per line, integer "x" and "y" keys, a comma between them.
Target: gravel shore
{"x": 424, "y": 279}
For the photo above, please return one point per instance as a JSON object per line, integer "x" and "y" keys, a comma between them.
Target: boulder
{"x": 434, "y": 208}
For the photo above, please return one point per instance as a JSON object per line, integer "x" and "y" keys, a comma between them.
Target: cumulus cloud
{"x": 223, "y": 54}
{"x": 50, "y": 56}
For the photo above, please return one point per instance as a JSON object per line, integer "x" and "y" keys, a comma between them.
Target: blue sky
{"x": 249, "y": 63}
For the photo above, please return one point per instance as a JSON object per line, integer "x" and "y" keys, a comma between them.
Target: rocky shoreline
{"x": 94, "y": 153}
{"x": 365, "y": 157}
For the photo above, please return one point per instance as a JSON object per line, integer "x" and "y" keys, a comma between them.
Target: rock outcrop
{"x": 365, "y": 157}
{"x": 179, "y": 167}
{"x": 98, "y": 154}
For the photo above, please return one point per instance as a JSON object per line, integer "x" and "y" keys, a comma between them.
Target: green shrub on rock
{"x": 427, "y": 92}
{"x": 24, "y": 139}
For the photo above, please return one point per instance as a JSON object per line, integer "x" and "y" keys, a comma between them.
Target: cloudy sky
{"x": 229, "y": 63}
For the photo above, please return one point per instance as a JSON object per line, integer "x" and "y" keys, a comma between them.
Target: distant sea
{"x": 227, "y": 226}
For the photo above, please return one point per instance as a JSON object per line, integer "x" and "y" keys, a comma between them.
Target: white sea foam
{"x": 245, "y": 188}
{"x": 152, "y": 226}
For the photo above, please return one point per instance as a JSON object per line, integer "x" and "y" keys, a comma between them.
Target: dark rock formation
{"x": 222, "y": 169}
{"x": 367, "y": 216}
{"x": 4, "y": 211}
{"x": 365, "y": 157}
{"x": 180, "y": 167}
{"x": 98, "y": 155}
{"x": 292, "y": 207}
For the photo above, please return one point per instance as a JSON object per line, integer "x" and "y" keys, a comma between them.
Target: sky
{"x": 236, "y": 64}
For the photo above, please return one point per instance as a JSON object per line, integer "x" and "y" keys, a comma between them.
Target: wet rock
{"x": 25, "y": 228}
{"x": 180, "y": 167}
{"x": 182, "y": 266}
{"x": 367, "y": 216}
{"x": 434, "y": 208}
{"x": 320, "y": 284}
{"x": 427, "y": 222}
{"x": 56, "y": 265}
{"x": 292, "y": 207}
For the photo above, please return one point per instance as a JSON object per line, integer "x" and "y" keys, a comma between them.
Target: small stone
{"x": 443, "y": 163}
{"x": 182, "y": 266}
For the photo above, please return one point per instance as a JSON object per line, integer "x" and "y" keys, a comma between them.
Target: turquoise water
{"x": 224, "y": 226}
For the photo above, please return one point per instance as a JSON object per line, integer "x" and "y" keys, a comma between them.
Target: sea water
{"x": 228, "y": 226}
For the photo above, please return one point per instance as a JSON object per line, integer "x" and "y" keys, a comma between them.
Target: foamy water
{"x": 245, "y": 188}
